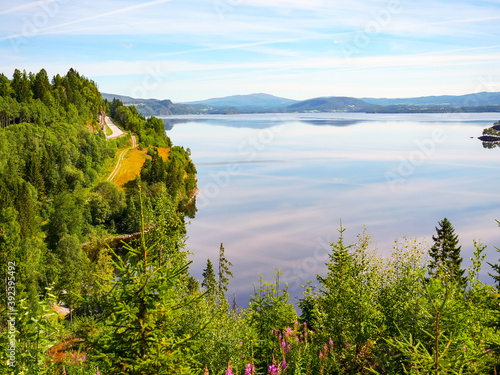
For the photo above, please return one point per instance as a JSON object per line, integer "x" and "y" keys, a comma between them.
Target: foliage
{"x": 224, "y": 272}
{"x": 140, "y": 313}
{"x": 270, "y": 310}
{"x": 445, "y": 255}
{"x": 151, "y": 132}
{"x": 209, "y": 282}
{"x": 345, "y": 308}
{"x": 35, "y": 333}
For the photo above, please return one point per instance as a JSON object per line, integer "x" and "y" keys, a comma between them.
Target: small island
{"x": 491, "y": 136}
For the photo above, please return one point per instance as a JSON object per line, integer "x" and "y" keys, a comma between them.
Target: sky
{"x": 186, "y": 50}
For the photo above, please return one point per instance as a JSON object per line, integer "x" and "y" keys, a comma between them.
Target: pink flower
{"x": 272, "y": 370}
{"x": 331, "y": 342}
{"x": 320, "y": 355}
{"x": 229, "y": 370}
{"x": 250, "y": 369}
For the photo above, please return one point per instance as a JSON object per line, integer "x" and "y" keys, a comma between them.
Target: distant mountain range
{"x": 248, "y": 102}
{"x": 469, "y": 100}
{"x": 265, "y": 103}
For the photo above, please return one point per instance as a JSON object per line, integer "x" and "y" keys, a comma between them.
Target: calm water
{"x": 275, "y": 187}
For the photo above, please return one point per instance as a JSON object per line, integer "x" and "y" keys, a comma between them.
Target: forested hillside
{"x": 79, "y": 300}
{"x": 57, "y": 210}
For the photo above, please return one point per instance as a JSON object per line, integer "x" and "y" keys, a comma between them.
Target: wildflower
{"x": 320, "y": 354}
{"x": 229, "y": 370}
{"x": 283, "y": 365}
{"x": 250, "y": 369}
{"x": 297, "y": 339}
{"x": 331, "y": 342}
{"x": 97, "y": 373}
{"x": 325, "y": 347}
{"x": 272, "y": 370}
{"x": 206, "y": 370}
{"x": 283, "y": 344}
{"x": 347, "y": 345}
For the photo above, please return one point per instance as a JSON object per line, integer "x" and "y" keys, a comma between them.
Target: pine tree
{"x": 209, "y": 282}
{"x": 224, "y": 272}
{"x": 445, "y": 255}
{"x": 143, "y": 310}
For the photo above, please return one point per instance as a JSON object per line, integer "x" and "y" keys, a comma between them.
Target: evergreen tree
{"x": 445, "y": 255}
{"x": 209, "y": 282}
{"x": 143, "y": 309}
{"x": 21, "y": 85}
{"x": 26, "y": 207}
{"x": 41, "y": 85}
{"x": 224, "y": 272}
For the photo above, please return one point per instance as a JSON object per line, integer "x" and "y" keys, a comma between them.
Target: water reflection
{"x": 256, "y": 123}
{"x": 491, "y": 145}
{"x": 274, "y": 195}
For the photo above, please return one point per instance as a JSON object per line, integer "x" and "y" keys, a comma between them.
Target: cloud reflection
{"x": 275, "y": 214}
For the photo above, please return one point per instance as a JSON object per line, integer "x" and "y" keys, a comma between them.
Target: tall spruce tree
{"x": 209, "y": 282}
{"x": 224, "y": 272}
{"x": 445, "y": 255}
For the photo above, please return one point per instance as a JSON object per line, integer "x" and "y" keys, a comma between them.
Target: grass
{"x": 131, "y": 167}
{"x": 132, "y": 164}
{"x": 108, "y": 131}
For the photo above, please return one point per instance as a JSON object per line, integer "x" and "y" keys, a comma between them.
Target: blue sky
{"x": 196, "y": 49}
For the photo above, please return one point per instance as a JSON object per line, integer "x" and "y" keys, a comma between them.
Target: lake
{"x": 274, "y": 187}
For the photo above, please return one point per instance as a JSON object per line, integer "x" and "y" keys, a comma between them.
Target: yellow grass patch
{"x": 164, "y": 152}
{"x": 131, "y": 167}
{"x": 132, "y": 164}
